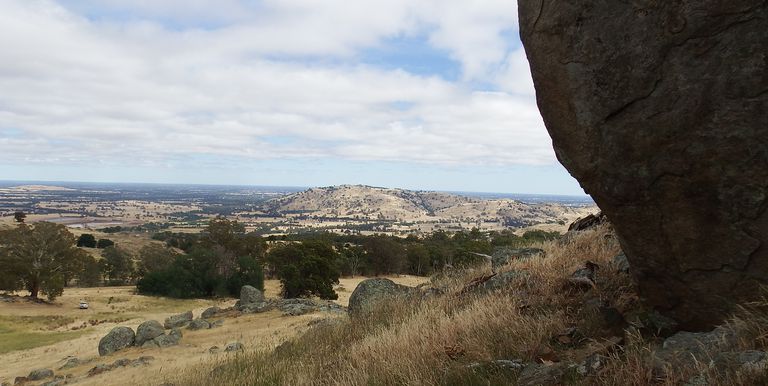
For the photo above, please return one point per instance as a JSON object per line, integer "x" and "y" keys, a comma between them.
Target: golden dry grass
{"x": 432, "y": 341}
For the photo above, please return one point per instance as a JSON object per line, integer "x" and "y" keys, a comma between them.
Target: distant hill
{"x": 367, "y": 202}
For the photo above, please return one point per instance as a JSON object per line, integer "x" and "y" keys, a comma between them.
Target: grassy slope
{"x": 432, "y": 342}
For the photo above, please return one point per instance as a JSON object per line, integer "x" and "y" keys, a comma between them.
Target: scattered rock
{"x": 250, "y": 295}
{"x": 179, "y": 320}
{"x": 147, "y": 331}
{"x": 117, "y": 339}
{"x": 621, "y": 263}
{"x": 501, "y": 281}
{"x": 172, "y": 339}
{"x": 496, "y": 366}
{"x": 71, "y": 362}
{"x": 234, "y": 346}
{"x": 214, "y": 350}
{"x": 40, "y": 374}
{"x": 591, "y": 365}
{"x": 20, "y": 380}
{"x": 371, "y": 291}
{"x": 99, "y": 369}
{"x": 673, "y": 150}
{"x": 504, "y": 255}
{"x": 295, "y": 307}
{"x": 541, "y": 374}
{"x": 217, "y": 323}
{"x": 210, "y": 312}
{"x": 255, "y": 308}
{"x": 59, "y": 381}
{"x": 588, "y": 222}
{"x": 584, "y": 278}
{"x": 748, "y": 361}
{"x": 685, "y": 349}
{"x": 199, "y": 324}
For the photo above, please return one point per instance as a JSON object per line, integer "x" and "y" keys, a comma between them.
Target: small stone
{"x": 541, "y": 374}
{"x": 20, "y": 380}
{"x": 121, "y": 363}
{"x": 70, "y": 363}
{"x": 99, "y": 369}
{"x": 234, "y": 346}
{"x": 217, "y": 323}
{"x": 214, "y": 350}
{"x": 584, "y": 278}
{"x": 39, "y": 374}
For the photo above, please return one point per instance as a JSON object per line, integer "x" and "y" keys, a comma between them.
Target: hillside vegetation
{"x": 539, "y": 325}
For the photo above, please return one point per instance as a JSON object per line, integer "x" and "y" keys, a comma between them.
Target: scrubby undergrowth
{"x": 539, "y": 317}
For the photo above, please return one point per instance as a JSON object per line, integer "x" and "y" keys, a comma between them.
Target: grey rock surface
{"x": 147, "y": 331}
{"x": 179, "y": 320}
{"x": 210, "y": 312}
{"x": 234, "y": 346}
{"x": 250, "y": 295}
{"x": 658, "y": 109}
{"x": 39, "y": 374}
{"x": 371, "y": 291}
{"x": 116, "y": 340}
{"x": 199, "y": 324}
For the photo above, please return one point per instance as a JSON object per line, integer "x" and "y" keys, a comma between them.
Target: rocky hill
{"x": 366, "y": 202}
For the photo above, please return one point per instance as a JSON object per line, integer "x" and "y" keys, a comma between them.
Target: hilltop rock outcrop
{"x": 660, "y": 110}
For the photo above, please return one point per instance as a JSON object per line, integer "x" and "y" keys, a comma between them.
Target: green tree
{"x": 19, "y": 216}
{"x": 306, "y": 268}
{"x": 155, "y": 257}
{"x": 419, "y": 262}
{"x": 86, "y": 240}
{"x": 104, "y": 243}
{"x": 89, "y": 274}
{"x": 39, "y": 258}
{"x": 385, "y": 255}
{"x": 117, "y": 265}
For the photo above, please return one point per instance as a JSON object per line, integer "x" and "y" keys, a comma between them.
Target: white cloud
{"x": 103, "y": 90}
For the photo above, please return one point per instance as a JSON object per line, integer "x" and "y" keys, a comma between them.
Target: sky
{"x": 427, "y": 94}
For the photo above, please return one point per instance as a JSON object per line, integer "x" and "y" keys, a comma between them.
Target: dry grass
{"x": 432, "y": 341}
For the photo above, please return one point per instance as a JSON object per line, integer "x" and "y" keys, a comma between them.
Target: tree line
{"x": 45, "y": 257}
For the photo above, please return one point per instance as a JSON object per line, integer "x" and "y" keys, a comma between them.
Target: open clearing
{"x": 34, "y": 336}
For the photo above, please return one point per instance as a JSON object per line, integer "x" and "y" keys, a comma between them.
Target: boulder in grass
{"x": 117, "y": 339}
{"x": 179, "y": 320}
{"x": 147, "y": 331}
{"x": 39, "y": 374}
{"x": 371, "y": 291}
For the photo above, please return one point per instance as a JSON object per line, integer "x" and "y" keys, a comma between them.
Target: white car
{"x": 83, "y": 305}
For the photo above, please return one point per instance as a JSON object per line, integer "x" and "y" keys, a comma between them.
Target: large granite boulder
{"x": 250, "y": 295}
{"x": 659, "y": 109}
{"x": 147, "y": 331}
{"x": 116, "y": 340}
{"x": 371, "y": 291}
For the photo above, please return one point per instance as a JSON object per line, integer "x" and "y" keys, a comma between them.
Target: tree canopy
{"x": 39, "y": 258}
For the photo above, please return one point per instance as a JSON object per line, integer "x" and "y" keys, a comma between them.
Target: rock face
{"x": 370, "y": 291}
{"x": 117, "y": 339}
{"x": 659, "y": 109}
